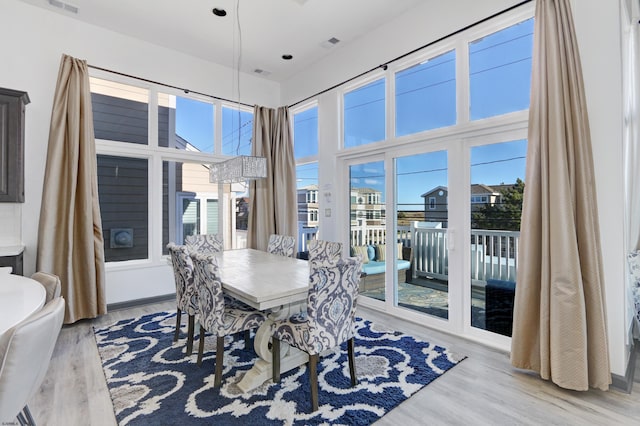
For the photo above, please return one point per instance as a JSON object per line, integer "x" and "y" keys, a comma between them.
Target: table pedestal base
{"x": 290, "y": 358}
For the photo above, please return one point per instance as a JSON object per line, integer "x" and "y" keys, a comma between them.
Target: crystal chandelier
{"x": 238, "y": 169}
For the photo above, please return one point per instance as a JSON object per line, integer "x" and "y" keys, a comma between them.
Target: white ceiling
{"x": 269, "y": 28}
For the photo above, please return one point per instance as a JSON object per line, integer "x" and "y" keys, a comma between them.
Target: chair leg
{"x": 275, "y": 359}
{"x": 27, "y": 414}
{"x": 313, "y": 380}
{"x": 219, "y": 358}
{"x": 201, "y": 345}
{"x": 177, "y": 334}
{"x": 21, "y": 419}
{"x": 247, "y": 339}
{"x": 352, "y": 361}
{"x": 190, "y": 335}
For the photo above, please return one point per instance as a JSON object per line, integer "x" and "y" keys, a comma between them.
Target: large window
{"x": 500, "y": 71}
{"x": 154, "y": 186}
{"x": 426, "y": 95}
{"x": 364, "y": 114}
{"x": 305, "y": 143}
{"x": 454, "y": 159}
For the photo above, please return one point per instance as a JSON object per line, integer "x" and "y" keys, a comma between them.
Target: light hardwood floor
{"x": 482, "y": 390}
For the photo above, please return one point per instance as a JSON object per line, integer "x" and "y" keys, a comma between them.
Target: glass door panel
{"x": 367, "y": 224}
{"x": 421, "y": 229}
{"x": 497, "y": 186}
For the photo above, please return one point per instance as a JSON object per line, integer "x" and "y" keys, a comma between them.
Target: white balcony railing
{"x": 494, "y": 253}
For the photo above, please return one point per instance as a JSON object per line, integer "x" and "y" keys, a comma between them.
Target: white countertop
{"x": 10, "y": 250}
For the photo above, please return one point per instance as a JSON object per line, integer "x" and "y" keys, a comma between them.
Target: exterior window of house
{"x": 432, "y": 203}
{"x": 364, "y": 114}
{"x": 500, "y": 71}
{"x": 426, "y": 95}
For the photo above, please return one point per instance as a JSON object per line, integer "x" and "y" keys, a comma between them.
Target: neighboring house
{"x": 367, "y": 207}
{"x": 308, "y": 206}
{"x": 436, "y": 200}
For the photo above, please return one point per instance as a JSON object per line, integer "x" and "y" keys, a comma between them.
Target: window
{"x": 140, "y": 178}
{"x": 123, "y": 185}
{"x": 185, "y": 123}
{"x": 364, "y": 114}
{"x": 432, "y": 203}
{"x": 120, "y": 112}
{"x": 500, "y": 71}
{"x": 237, "y": 130}
{"x": 305, "y": 133}
{"x": 305, "y": 143}
{"x": 426, "y": 95}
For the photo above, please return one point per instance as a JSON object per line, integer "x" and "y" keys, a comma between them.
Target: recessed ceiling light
{"x": 287, "y": 57}
{"x": 219, "y": 12}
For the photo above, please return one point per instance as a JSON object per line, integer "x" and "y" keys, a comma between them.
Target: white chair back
{"x": 26, "y": 351}
{"x": 51, "y": 284}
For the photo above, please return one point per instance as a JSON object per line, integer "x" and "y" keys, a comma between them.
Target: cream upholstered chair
{"x": 25, "y": 353}
{"x": 51, "y": 284}
{"x": 186, "y": 294}
{"x": 284, "y": 245}
{"x": 219, "y": 315}
{"x": 323, "y": 251}
{"x": 204, "y": 244}
{"x": 328, "y": 322}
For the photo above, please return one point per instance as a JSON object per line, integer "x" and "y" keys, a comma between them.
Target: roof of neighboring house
{"x": 311, "y": 187}
{"x": 481, "y": 188}
{"x": 437, "y": 188}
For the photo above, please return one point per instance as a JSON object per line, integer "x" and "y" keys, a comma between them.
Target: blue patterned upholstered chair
{"x": 328, "y": 322}
{"x": 205, "y": 244}
{"x": 186, "y": 294}
{"x": 323, "y": 251}
{"x": 284, "y": 245}
{"x": 218, "y": 314}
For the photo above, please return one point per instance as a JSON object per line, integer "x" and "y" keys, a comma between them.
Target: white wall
{"x": 601, "y": 61}
{"x": 33, "y": 41}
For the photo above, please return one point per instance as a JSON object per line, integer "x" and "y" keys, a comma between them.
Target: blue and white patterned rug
{"x": 152, "y": 382}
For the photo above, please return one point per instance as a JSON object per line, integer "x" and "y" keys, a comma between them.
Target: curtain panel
{"x": 273, "y": 207}
{"x": 559, "y": 327}
{"x": 70, "y": 242}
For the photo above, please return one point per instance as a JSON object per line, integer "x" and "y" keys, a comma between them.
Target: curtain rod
{"x": 168, "y": 85}
{"x": 384, "y": 65}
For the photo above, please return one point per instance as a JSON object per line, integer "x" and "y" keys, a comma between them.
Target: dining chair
{"x": 204, "y": 243}
{"x": 25, "y": 353}
{"x": 283, "y": 245}
{"x": 186, "y": 294}
{"x": 322, "y": 251}
{"x": 51, "y": 284}
{"x": 218, "y": 315}
{"x": 328, "y": 321}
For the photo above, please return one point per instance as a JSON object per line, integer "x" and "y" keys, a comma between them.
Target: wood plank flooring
{"x": 482, "y": 390}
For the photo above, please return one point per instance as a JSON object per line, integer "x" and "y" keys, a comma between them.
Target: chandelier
{"x": 241, "y": 167}
{"x": 238, "y": 169}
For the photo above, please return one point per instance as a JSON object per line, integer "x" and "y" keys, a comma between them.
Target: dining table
{"x": 267, "y": 282}
{"x": 20, "y": 297}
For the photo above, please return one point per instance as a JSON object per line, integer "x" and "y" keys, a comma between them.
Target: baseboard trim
{"x": 625, "y": 383}
{"x": 138, "y": 302}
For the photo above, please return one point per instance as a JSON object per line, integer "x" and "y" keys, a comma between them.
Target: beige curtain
{"x": 559, "y": 327}
{"x": 70, "y": 241}
{"x": 273, "y": 207}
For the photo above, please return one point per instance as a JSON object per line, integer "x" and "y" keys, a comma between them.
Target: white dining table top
{"x": 263, "y": 280}
{"x": 19, "y": 298}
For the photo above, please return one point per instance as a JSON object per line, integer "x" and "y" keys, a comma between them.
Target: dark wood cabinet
{"x": 12, "y": 256}
{"x": 12, "y": 105}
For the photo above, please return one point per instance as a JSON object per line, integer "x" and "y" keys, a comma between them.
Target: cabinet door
{"x": 12, "y": 104}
